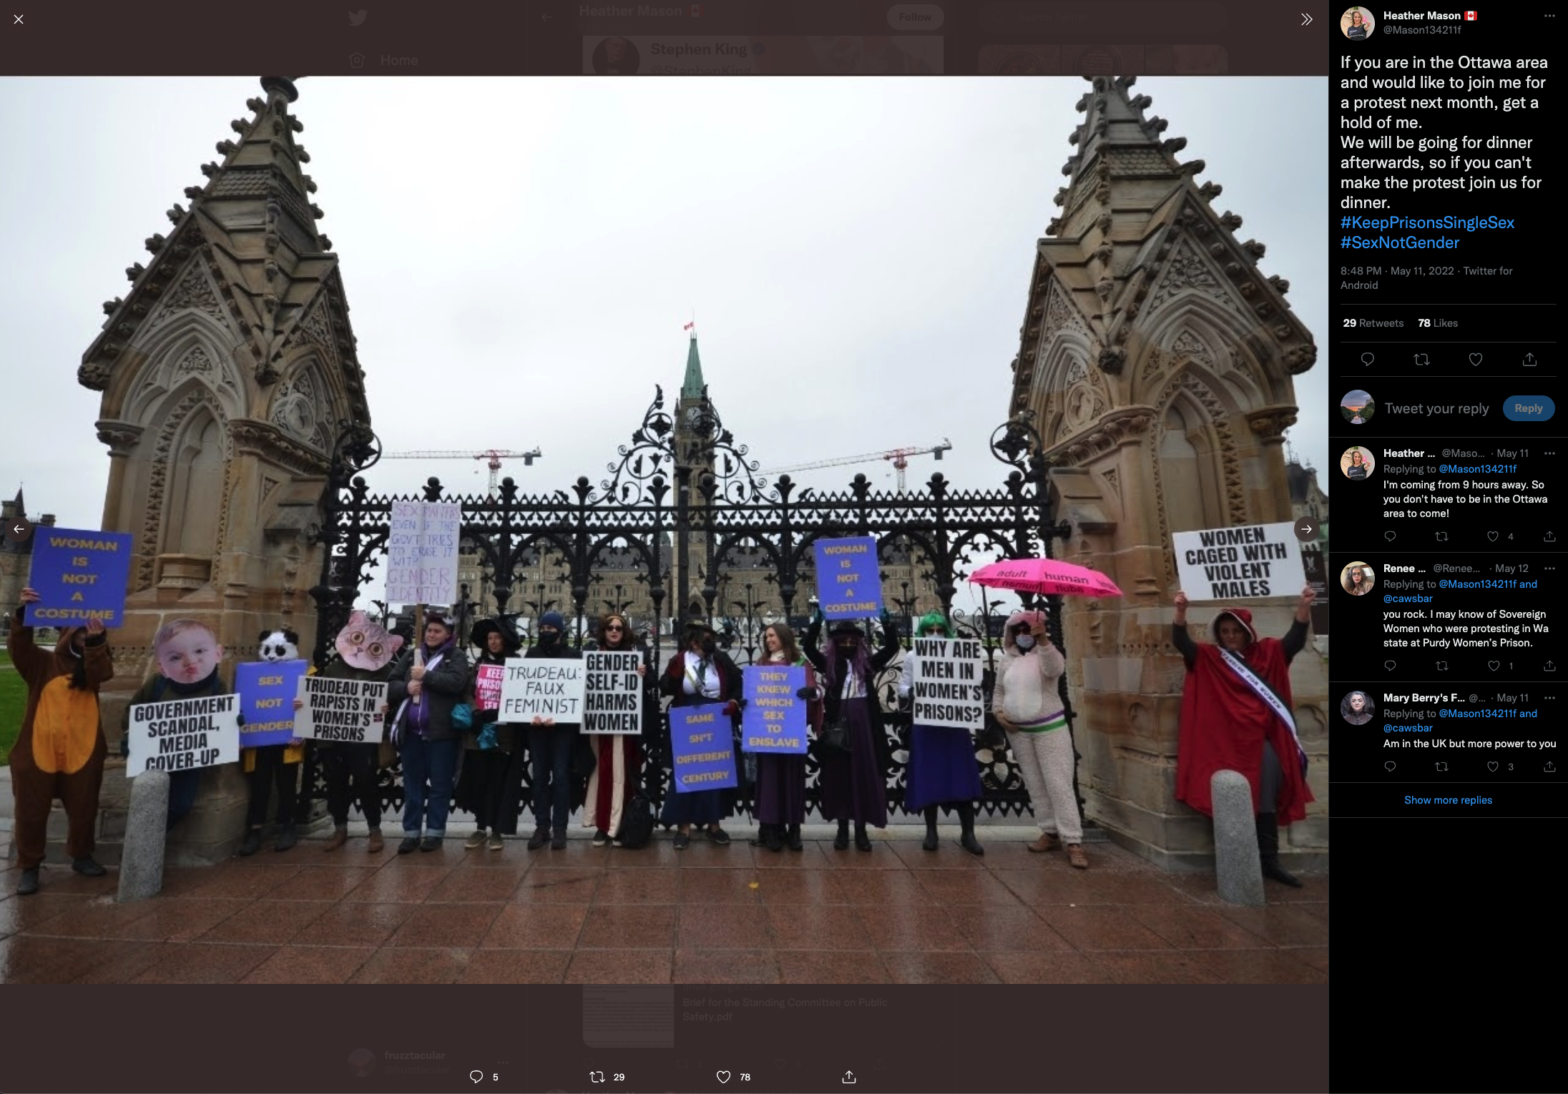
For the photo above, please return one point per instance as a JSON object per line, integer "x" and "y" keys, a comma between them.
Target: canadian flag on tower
{"x": 1470, "y": 16}
{"x": 689, "y": 326}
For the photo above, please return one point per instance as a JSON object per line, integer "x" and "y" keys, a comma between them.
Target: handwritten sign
{"x": 422, "y": 552}
{"x": 183, "y": 734}
{"x": 849, "y": 585}
{"x": 1239, "y": 563}
{"x": 612, "y": 701}
{"x": 704, "y": 751}
{"x": 267, "y": 690}
{"x": 341, "y": 710}
{"x": 79, "y": 576}
{"x": 487, "y": 687}
{"x": 543, "y": 687}
{"x": 775, "y": 717}
{"x": 947, "y": 689}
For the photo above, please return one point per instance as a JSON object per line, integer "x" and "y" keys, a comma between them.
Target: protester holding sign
{"x": 551, "y": 742}
{"x": 364, "y": 652}
{"x": 270, "y": 763}
{"x": 188, "y": 655}
{"x": 424, "y": 687}
{"x": 1237, "y": 715}
{"x": 61, "y": 748}
{"x": 942, "y": 768}
{"x": 1027, "y": 701}
{"x": 701, "y": 673}
{"x": 618, "y": 770}
{"x": 854, "y": 777}
{"x": 781, "y": 777}
{"x": 491, "y": 784}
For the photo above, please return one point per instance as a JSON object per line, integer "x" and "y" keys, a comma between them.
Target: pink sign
{"x": 487, "y": 688}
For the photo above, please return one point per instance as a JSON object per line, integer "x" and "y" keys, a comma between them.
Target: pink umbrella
{"x": 1045, "y": 577}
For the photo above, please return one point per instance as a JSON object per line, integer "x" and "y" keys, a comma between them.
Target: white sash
{"x": 397, "y": 723}
{"x": 1261, "y": 688}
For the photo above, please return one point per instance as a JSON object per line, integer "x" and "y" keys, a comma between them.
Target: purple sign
{"x": 79, "y": 576}
{"x": 267, "y": 690}
{"x": 704, "y": 749}
{"x": 849, "y": 584}
{"x": 775, "y": 717}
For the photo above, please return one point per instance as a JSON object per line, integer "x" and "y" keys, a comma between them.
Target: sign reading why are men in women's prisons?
{"x": 422, "y": 552}
{"x": 1239, "y": 563}
{"x": 267, "y": 690}
{"x": 612, "y": 701}
{"x": 542, "y": 687}
{"x": 487, "y": 686}
{"x": 79, "y": 576}
{"x": 341, "y": 710}
{"x": 703, "y": 748}
{"x": 947, "y": 689}
{"x": 775, "y": 717}
{"x": 849, "y": 584}
{"x": 182, "y": 734}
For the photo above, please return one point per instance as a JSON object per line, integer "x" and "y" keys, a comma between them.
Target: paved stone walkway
{"x": 709, "y": 914}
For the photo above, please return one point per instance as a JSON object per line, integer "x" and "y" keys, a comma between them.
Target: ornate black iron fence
{"x": 688, "y": 489}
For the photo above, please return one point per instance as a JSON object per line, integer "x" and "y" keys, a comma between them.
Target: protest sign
{"x": 422, "y": 552}
{"x": 612, "y": 700}
{"x": 947, "y": 689}
{"x": 341, "y": 710}
{"x": 849, "y": 584}
{"x": 79, "y": 576}
{"x": 1239, "y": 563}
{"x": 775, "y": 717}
{"x": 542, "y": 687}
{"x": 487, "y": 687}
{"x": 182, "y": 734}
{"x": 267, "y": 690}
{"x": 703, "y": 748}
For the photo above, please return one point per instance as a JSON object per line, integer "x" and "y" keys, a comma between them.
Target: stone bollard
{"x": 146, "y": 826}
{"x": 1236, "y": 861}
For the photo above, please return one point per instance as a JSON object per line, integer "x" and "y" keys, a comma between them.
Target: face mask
{"x": 709, "y": 645}
{"x": 548, "y": 638}
{"x": 1024, "y": 642}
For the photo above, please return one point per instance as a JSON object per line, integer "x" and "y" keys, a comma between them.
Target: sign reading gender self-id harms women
{"x": 612, "y": 700}
{"x": 79, "y": 576}
{"x": 1239, "y": 563}
{"x": 849, "y": 584}
{"x": 704, "y": 751}
{"x": 181, "y": 734}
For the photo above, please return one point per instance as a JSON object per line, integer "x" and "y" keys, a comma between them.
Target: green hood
{"x": 933, "y": 619}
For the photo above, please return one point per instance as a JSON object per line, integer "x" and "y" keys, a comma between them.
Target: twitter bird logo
{"x": 357, "y": 18}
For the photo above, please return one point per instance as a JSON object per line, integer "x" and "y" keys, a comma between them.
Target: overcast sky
{"x": 520, "y": 255}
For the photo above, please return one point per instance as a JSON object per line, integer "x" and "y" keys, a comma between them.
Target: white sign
{"x": 182, "y": 734}
{"x": 341, "y": 710}
{"x": 422, "y": 552}
{"x": 542, "y": 687}
{"x": 1239, "y": 563}
{"x": 612, "y": 701}
{"x": 947, "y": 689}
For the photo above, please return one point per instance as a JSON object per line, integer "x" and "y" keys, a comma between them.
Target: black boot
{"x": 862, "y": 841}
{"x": 930, "y": 842}
{"x": 772, "y": 837}
{"x": 29, "y": 883}
{"x": 251, "y": 843}
{"x": 1268, "y": 851}
{"x": 793, "y": 840}
{"x": 287, "y": 838}
{"x": 966, "y": 817}
{"x": 841, "y": 841}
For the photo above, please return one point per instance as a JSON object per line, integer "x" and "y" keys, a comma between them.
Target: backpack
{"x": 636, "y": 822}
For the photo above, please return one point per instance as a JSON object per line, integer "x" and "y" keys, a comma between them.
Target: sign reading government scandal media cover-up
{"x": 422, "y": 546}
{"x": 181, "y": 734}
{"x": 849, "y": 584}
{"x": 1243, "y": 562}
{"x": 947, "y": 689}
{"x": 79, "y": 576}
{"x": 341, "y": 710}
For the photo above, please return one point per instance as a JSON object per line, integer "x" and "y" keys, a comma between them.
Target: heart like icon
{"x": 1367, "y": 358}
{"x": 722, "y": 1076}
{"x": 1389, "y": 766}
{"x": 1389, "y": 536}
{"x": 1491, "y": 765}
{"x": 1389, "y": 665}
{"x": 1475, "y": 358}
{"x": 1493, "y": 665}
{"x": 1492, "y": 536}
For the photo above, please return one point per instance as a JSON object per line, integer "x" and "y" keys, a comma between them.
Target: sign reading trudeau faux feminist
{"x": 422, "y": 552}
{"x": 849, "y": 585}
{"x": 341, "y": 710}
{"x": 1239, "y": 563}
{"x": 542, "y": 687}
{"x": 267, "y": 690}
{"x": 79, "y": 576}
{"x": 612, "y": 701}
{"x": 947, "y": 689}
{"x": 704, "y": 753}
{"x": 775, "y": 717}
{"x": 181, "y": 734}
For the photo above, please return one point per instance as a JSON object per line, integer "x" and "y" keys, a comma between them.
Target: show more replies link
{"x": 777, "y": 55}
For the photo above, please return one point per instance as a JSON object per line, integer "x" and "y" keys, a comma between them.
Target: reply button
{"x": 914, "y": 16}
{"x": 1528, "y": 408}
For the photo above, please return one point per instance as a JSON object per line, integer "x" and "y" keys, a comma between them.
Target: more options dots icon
{"x": 356, "y": 60}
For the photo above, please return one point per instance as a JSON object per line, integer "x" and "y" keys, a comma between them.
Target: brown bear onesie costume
{"x": 61, "y": 749}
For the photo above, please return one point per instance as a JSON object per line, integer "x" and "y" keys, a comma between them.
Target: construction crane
{"x": 898, "y": 456}
{"x": 494, "y": 455}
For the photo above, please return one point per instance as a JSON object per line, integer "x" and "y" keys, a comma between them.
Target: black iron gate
{"x": 693, "y": 491}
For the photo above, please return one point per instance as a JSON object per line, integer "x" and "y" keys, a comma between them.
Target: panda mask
{"x": 279, "y": 645}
